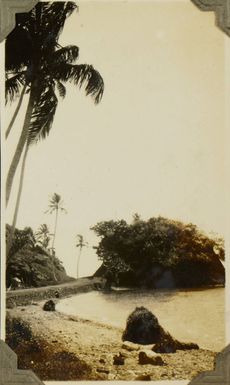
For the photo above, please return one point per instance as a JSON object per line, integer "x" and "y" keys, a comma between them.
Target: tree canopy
{"x": 141, "y": 252}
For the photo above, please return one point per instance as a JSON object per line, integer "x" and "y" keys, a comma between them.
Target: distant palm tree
{"x": 80, "y": 243}
{"x": 43, "y": 235}
{"x": 55, "y": 206}
{"x": 38, "y": 65}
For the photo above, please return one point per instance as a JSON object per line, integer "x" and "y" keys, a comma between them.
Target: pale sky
{"x": 154, "y": 145}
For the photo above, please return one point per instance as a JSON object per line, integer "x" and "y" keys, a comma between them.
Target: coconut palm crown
{"x": 80, "y": 244}
{"x": 38, "y": 65}
{"x": 43, "y": 235}
{"x": 55, "y": 206}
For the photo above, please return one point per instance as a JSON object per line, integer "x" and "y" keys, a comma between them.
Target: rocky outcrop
{"x": 159, "y": 253}
{"x": 185, "y": 274}
{"x": 142, "y": 327}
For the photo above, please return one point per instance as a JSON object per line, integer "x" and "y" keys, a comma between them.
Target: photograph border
{"x": 10, "y": 374}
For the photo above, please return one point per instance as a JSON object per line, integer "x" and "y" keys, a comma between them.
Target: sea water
{"x": 189, "y": 315}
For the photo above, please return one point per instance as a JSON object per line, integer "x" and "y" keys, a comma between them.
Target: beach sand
{"x": 97, "y": 345}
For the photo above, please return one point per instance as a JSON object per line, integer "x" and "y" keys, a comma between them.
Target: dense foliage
{"x": 158, "y": 253}
{"x": 32, "y": 264}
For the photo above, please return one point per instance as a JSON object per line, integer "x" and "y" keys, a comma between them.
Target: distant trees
{"x": 141, "y": 252}
{"x": 80, "y": 244}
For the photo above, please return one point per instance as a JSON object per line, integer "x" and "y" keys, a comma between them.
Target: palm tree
{"x": 55, "y": 206}
{"x": 80, "y": 243}
{"x": 43, "y": 235}
{"x": 38, "y": 65}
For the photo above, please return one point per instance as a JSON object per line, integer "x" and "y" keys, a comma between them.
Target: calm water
{"x": 196, "y": 316}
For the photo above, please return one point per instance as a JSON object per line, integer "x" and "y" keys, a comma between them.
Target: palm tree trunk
{"x": 18, "y": 200}
{"x": 55, "y": 227}
{"x": 16, "y": 111}
{"x": 78, "y": 263}
{"x": 20, "y": 146}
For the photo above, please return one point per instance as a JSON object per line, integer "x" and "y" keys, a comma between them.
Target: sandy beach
{"x": 97, "y": 345}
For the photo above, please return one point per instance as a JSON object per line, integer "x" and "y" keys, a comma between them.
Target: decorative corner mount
{"x": 221, "y": 8}
{"x": 10, "y": 374}
{"x": 8, "y": 10}
{"x": 219, "y": 376}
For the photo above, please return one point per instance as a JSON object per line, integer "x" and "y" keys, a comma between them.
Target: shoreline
{"x": 24, "y": 297}
{"x": 97, "y": 344}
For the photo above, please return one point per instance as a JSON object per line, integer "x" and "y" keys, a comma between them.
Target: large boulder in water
{"x": 142, "y": 327}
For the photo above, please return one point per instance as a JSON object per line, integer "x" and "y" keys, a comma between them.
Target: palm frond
{"x": 54, "y": 15}
{"x": 42, "y": 115}
{"x": 55, "y": 203}
{"x": 81, "y": 75}
{"x": 56, "y": 198}
{"x": 68, "y": 54}
{"x": 13, "y": 86}
{"x": 43, "y": 229}
{"x": 61, "y": 89}
{"x": 50, "y": 210}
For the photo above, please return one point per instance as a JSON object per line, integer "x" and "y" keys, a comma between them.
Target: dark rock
{"x": 142, "y": 327}
{"x": 148, "y": 357}
{"x": 102, "y": 370}
{"x": 49, "y": 305}
{"x": 187, "y": 345}
{"x": 143, "y": 377}
{"x": 164, "y": 347}
{"x": 118, "y": 359}
{"x": 172, "y": 346}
